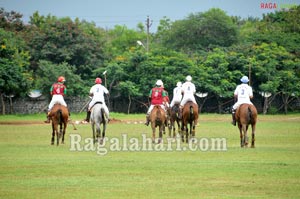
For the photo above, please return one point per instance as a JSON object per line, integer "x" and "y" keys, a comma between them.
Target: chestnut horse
{"x": 59, "y": 116}
{"x": 173, "y": 117}
{"x": 189, "y": 116}
{"x": 157, "y": 119}
{"x": 246, "y": 115}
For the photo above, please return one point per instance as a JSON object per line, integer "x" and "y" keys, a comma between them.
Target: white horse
{"x": 98, "y": 118}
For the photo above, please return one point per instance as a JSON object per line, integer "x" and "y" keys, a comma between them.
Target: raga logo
{"x": 268, "y": 5}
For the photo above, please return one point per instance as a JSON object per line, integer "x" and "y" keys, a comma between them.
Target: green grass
{"x": 32, "y": 168}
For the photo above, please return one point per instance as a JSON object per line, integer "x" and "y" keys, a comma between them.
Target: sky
{"x": 108, "y": 13}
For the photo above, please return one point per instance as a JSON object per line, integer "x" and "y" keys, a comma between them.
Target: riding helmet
{"x": 98, "y": 80}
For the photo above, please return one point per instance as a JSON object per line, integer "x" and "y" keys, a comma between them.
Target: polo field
{"x": 129, "y": 165}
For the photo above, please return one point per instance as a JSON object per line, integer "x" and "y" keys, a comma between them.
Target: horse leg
{"x": 187, "y": 134}
{"x": 100, "y": 140}
{"x": 241, "y": 135}
{"x": 174, "y": 129}
{"x": 245, "y": 129}
{"x": 153, "y": 132}
{"x": 170, "y": 127}
{"x": 64, "y": 131}
{"x": 253, "y": 136}
{"x": 93, "y": 129}
{"x": 194, "y": 130}
{"x": 60, "y": 131}
{"x": 53, "y": 134}
{"x": 161, "y": 128}
{"x": 103, "y": 132}
{"x": 182, "y": 132}
{"x": 57, "y": 137}
{"x": 178, "y": 125}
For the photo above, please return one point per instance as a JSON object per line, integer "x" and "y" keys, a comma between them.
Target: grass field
{"x": 32, "y": 168}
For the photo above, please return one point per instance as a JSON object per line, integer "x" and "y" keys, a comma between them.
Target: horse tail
{"x": 102, "y": 115}
{"x": 249, "y": 115}
{"x": 191, "y": 111}
{"x": 158, "y": 113}
{"x": 59, "y": 116}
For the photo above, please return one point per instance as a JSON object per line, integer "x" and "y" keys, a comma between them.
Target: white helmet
{"x": 159, "y": 83}
{"x": 179, "y": 84}
{"x": 188, "y": 78}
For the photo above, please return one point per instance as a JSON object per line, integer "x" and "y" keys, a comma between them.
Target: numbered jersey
{"x": 58, "y": 89}
{"x": 243, "y": 92}
{"x": 98, "y": 92}
{"x": 157, "y": 95}
{"x": 188, "y": 88}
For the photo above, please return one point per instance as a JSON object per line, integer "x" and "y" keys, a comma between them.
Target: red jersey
{"x": 157, "y": 95}
{"x": 58, "y": 89}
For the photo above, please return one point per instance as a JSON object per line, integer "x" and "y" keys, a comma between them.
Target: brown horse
{"x": 59, "y": 116}
{"x": 157, "y": 118}
{"x": 189, "y": 116}
{"x": 246, "y": 115}
{"x": 173, "y": 117}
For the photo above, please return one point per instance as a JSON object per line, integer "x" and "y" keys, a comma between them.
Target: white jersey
{"x": 244, "y": 93}
{"x": 98, "y": 92}
{"x": 188, "y": 89}
{"x": 177, "y": 96}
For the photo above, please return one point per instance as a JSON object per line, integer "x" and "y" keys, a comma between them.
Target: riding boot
{"x": 147, "y": 119}
{"x": 233, "y": 118}
{"x": 48, "y": 117}
{"x": 88, "y": 115}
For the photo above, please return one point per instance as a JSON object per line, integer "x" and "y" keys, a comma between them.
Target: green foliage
{"x": 212, "y": 47}
{"x": 15, "y": 78}
{"x": 48, "y": 73}
{"x": 201, "y": 31}
{"x": 61, "y": 40}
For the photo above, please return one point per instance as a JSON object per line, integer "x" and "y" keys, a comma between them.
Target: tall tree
{"x": 15, "y": 78}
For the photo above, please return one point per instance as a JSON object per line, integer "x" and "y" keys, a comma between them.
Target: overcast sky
{"x": 108, "y": 13}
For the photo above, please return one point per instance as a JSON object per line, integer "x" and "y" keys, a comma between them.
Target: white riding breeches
{"x": 152, "y": 106}
{"x": 187, "y": 98}
{"x": 56, "y": 99}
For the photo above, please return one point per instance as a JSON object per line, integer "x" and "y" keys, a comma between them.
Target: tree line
{"x": 212, "y": 47}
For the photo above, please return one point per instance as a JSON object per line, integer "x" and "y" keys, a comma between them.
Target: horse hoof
{"x": 252, "y": 146}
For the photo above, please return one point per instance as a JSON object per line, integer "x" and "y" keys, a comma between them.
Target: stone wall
{"x": 29, "y": 105}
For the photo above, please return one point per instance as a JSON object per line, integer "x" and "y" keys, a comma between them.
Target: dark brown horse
{"x": 173, "y": 118}
{"x": 189, "y": 116}
{"x": 59, "y": 116}
{"x": 157, "y": 119}
{"x": 246, "y": 115}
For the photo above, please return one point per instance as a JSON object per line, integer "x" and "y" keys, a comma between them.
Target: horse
{"x": 98, "y": 118}
{"x": 157, "y": 118}
{"x": 189, "y": 116}
{"x": 59, "y": 115}
{"x": 246, "y": 115}
{"x": 173, "y": 117}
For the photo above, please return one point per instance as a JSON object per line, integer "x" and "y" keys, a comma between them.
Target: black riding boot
{"x": 147, "y": 120}
{"x": 233, "y": 118}
{"x": 88, "y": 115}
